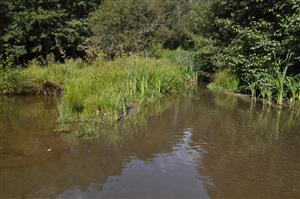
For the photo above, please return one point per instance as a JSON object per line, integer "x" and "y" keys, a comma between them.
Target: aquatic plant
{"x": 275, "y": 85}
{"x": 272, "y": 85}
{"x": 280, "y": 83}
{"x": 252, "y": 88}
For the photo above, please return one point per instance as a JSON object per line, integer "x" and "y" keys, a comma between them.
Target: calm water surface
{"x": 202, "y": 146}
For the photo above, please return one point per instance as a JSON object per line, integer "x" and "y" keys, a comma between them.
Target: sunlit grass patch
{"x": 104, "y": 92}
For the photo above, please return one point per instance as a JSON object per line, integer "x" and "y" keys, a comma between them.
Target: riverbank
{"x": 104, "y": 91}
{"x": 280, "y": 91}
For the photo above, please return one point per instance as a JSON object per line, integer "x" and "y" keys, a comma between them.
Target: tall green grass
{"x": 107, "y": 90}
{"x": 185, "y": 59}
{"x": 36, "y": 79}
{"x": 103, "y": 91}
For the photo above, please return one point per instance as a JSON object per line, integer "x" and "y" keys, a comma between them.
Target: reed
{"x": 280, "y": 80}
{"x": 252, "y": 88}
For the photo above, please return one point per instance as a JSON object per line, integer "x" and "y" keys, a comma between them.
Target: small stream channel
{"x": 204, "y": 145}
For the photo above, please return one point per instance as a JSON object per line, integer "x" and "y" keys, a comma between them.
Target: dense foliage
{"x": 253, "y": 35}
{"x": 135, "y": 25}
{"x": 36, "y": 28}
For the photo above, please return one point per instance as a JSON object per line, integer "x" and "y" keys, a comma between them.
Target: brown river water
{"x": 203, "y": 145}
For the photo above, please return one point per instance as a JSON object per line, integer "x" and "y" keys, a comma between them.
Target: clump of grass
{"x": 279, "y": 82}
{"x": 20, "y": 82}
{"x": 185, "y": 59}
{"x": 39, "y": 80}
{"x": 224, "y": 81}
{"x": 104, "y": 93}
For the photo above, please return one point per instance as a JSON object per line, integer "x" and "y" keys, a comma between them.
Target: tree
{"x": 252, "y": 35}
{"x": 37, "y": 28}
{"x": 136, "y": 25}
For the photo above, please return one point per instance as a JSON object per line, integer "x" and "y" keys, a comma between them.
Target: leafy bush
{"x": 33, "y": 29}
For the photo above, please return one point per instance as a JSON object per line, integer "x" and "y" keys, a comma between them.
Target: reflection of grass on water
{"x": 125, "y": 129}
{"x": 261, "y": 125}
{"x": 267, "y": 125}
{"x": 17, "y": 113}
{"x": 225, "y": 100}
{"x": 17, "y": 107}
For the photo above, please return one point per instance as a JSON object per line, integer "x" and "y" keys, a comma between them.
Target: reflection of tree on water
{"x": 169, "y": 174}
